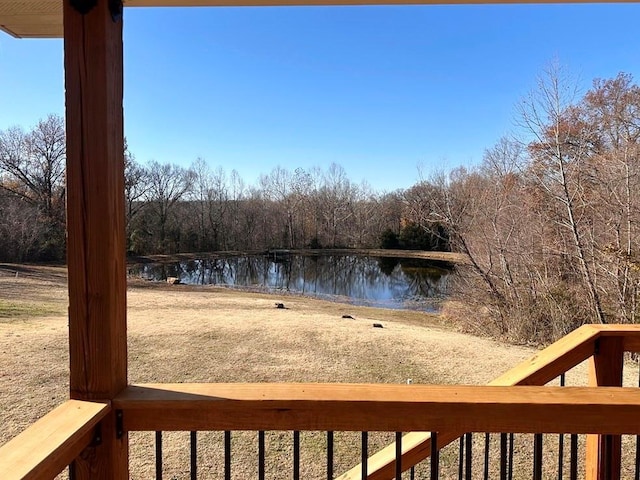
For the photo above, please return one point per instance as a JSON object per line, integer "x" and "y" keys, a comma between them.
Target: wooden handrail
{"x": 543, "y": 367}
{"x": 559, "y": 357}
{"x": 46, "y": 447}
{"x": 362, "y": 407}
{"x": 630, "y": 335}
{"x": 551, "y": 362}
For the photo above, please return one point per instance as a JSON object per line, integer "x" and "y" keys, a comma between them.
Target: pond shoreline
{"x": 414, "y": 283}
{"x": 449, "y": 257}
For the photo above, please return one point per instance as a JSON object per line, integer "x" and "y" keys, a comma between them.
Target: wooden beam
{"x": 603, "y": 452}
{"x": 95, "y": 223}
{"x": 41, "y": 25}
{"x": 357, "y": 407}
{"x": 629, "y": 333}
{"x": 240, "y": 3}
{"x": 616, "y": 329}
{"x": 45, "y": 448}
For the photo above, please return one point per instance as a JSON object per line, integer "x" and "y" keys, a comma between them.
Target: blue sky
{"x": 379, "y": 90}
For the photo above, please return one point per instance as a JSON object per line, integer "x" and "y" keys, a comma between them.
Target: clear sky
{"x": 379, "y": 90}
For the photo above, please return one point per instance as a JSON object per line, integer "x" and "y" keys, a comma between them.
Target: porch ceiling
{"x": 43, "y": 18}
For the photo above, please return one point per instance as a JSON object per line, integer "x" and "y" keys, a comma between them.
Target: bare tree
{"x": 210, "y": 193}
{"x": 21, "y": 232}
{"x": 135, "y": 188}
{"x": 33, "y": 164}
{"x": 168, "y": 184}
{"x": 612, "y": 109}
{"x": 277, "y": 188}
{"x": 337, "y": 194}
{"x": 561, "y": 145}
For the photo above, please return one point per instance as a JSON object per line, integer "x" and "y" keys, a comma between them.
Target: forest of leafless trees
{"x": 549, "y": 218}
{"x": 171, "y": 209}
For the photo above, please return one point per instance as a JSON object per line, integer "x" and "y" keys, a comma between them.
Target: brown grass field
{"x": 206, "y": 334}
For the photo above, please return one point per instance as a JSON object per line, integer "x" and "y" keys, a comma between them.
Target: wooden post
{"x": 603, "y": 452}
{"x": 95, "y": 222}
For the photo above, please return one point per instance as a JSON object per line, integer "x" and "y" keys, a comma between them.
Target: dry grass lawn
{"x": 205, "y": 334}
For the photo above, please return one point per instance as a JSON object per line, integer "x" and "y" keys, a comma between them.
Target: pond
{"x": 396, "y": 283}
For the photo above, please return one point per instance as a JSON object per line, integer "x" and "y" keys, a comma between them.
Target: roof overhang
{"x": 31, "y": 18}
{"x": 43, "y": 18}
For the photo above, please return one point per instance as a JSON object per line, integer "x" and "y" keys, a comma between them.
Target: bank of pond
{"x": 398, "y": 283}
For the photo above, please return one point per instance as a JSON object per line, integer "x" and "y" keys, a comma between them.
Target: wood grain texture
{"x": 616, "y": 329}
{"x": 631, "y": 343}
{"x": 629, "y": 333}
{"x": 45, "y": 448}
{"x": 95, "y": 222}
{"x": 95, "y": 204}
{"x": 604, "y": 452}
{"x": 356, "y": 407}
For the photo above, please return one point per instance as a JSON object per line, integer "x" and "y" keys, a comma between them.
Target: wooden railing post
{"x": 603, "y": 452}
{"x": 95, "y": 222}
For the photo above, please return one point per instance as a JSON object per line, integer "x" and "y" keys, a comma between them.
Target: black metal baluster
{"x": 399, "y": 455}
{"x": 435, "y": 457}
{"x": 469, "y": 456}
{"x": 227, "y": 455}
{"x": 461, "y": 457}
{"x": 560, "y": 456}
{"x": 365, "y": 454}
{"x": 537, "y": 456}
{"x": 608, "y": 449}
{"x": 487, "y": 440}
{"x": 573, "y": 458}
{"x": 261, "y": 455}
{"x": 637, "y": 472}
{"x": 194, "y": 455}
{"x": 72, "y": 471}
{"x": 412, "y": 475}
{"x": 503, "y": 456}
{"x": 329, "y": 455}
{"x": 561, "y": 441}
{"x": 296, "y": 455}
{"x": 158, "y": 455}
{"x": 511, "y": 442}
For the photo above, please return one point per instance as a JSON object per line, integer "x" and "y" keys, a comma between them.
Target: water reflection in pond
{"x": 382, "y": 282}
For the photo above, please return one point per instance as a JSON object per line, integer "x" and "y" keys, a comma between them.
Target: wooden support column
{"x": 603, "y": 452}
{"x": 95, "y": 222}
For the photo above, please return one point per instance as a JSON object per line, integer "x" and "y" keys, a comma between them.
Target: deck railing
{"x": 446, "y": 412}
{"x": 605, "y": 344}
{"x": 45, "y": 448}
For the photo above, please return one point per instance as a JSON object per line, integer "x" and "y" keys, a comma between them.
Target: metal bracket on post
{"x": 115, "y": 7}
{"x": 119, "y": 424}
{"x": 85, "y": 6}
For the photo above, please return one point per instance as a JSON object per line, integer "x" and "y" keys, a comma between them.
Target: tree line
{"x": 199, "y": 209}
{"x": 171, "y": 209}
{"x": 549, "y": 218}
